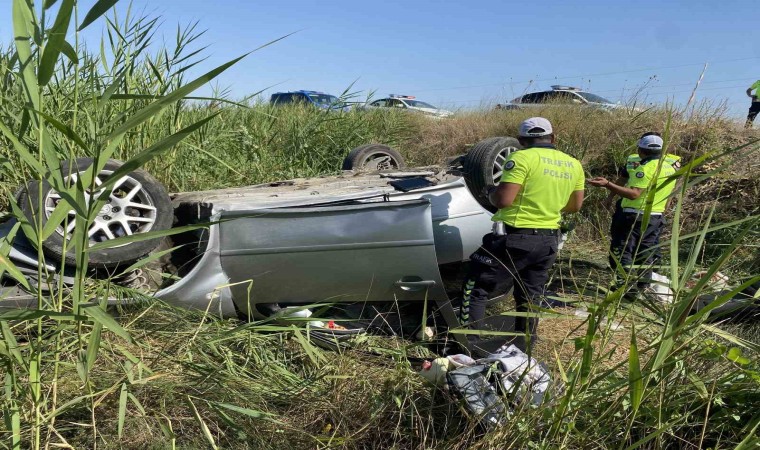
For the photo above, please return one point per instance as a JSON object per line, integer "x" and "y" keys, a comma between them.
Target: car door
{"x": 376, "y": 251}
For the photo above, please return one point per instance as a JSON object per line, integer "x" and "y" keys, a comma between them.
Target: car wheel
{"x": 484, "y": 163}
{"x": 138, "y": 203}
{"x": 373, "y": 157}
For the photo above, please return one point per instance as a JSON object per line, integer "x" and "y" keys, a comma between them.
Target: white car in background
{"x": 561, "y": 96}
{"x": 410, "y": 103}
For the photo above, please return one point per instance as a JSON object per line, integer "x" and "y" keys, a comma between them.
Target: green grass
{"x": 150, "y": 376}
{"x": 297, "y": 395}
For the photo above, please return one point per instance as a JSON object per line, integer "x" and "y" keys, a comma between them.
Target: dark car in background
{"x": 315, "y": 98}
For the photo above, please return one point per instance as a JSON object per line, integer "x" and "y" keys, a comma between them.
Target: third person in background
{"x": 633, "y": 246}
{"x": 754, "y": 108}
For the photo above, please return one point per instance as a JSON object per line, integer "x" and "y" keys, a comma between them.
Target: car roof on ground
{"x": 310, "y": 191}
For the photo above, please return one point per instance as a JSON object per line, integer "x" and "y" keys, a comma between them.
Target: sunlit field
{"x": 79, "y": 374}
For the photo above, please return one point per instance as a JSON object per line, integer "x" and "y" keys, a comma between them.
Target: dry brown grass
{"x": 601, "y": 139}
{"x": 557, "y": 340}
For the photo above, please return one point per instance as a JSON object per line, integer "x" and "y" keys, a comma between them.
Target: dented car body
{"x": 350, "y": 238}
{"x": 356, "y": 238}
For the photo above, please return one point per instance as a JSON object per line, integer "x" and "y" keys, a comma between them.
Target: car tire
{"x": 147, "y": 209}
{"x": 373, "y": 157}
{"x": 484, "y": 163}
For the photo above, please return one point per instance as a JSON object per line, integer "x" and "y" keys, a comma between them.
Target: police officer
{"x": 644, "y": 171}
{"x": 754, "y": 108}
{"x": 538, "y": 183}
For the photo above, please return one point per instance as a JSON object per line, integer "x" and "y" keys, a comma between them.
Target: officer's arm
{"x": 631, "y": 193}
{"x": 620, "y": 182}
{"x": 574, "y": 203}
{"x": 749, "y": 92}
{"x": 504, "y": 194}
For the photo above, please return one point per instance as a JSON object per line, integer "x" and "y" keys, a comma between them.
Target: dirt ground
{"x": 579, "y": 278}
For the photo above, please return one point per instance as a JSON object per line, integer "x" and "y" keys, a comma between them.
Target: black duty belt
{"x": 639, "y": 211}
{"x": 535, "y": 231}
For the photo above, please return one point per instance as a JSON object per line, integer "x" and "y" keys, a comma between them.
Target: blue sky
{"x": 463, "y": 54}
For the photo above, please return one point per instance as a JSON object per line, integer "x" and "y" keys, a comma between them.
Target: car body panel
{"x": 348, "y": 253}
{"x": 206, "y": 286}
{"x": 459, "y": 221}
{"x": 22, "y": 250}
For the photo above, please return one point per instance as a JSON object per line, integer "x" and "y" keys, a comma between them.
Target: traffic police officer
{"x": 754, "y": 108}
{"x": 538, "y": 183}
{"x": 629, "y": 244}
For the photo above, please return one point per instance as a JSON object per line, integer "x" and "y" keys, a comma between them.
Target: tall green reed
{"x": 57, "y": 105}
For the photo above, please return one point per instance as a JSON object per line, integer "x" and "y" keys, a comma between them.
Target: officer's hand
{"x": 487, "y": 190}
{"x": 598, "y": 181}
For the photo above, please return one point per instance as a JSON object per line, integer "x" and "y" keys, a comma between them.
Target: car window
{"x": 419, "y": 104}
{"x": 577, "y": 99}
{"x": 527, "y": 98}
{"x": 593, "y": 98}
{"x": 378, "y": 103}
{"x": 565, "y": 98}
{"x": 535, "y": 97}
{"x": 281, "y": 99}
{"x": 396, "y": 103}
{"x": 324, "y": 99}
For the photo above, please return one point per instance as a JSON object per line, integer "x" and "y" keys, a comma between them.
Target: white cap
{"x": 535, "y": 127}
{"x": 653, "y": 143}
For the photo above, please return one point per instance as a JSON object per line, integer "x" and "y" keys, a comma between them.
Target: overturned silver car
{"x": 370, "y": 244}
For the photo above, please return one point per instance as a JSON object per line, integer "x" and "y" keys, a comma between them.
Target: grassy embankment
{"x": 158, "y": 377}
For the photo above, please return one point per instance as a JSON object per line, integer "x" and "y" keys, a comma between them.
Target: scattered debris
{"x": 483, "y": 385}
{"x": 615, "y": 325}
{"x": 718, "y": 281}
{"x": 426, "y": 334}
{"x": 299, "y": 312}
{"x": 660, "y": 287}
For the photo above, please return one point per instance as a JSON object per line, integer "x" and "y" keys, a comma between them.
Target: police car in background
{"x": 315, "y": 98}
{"x": 410, "y": 103}
{"x": 561, "y": 96}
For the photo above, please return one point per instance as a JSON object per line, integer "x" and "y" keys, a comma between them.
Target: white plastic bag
{"x": 660, "y": 287}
